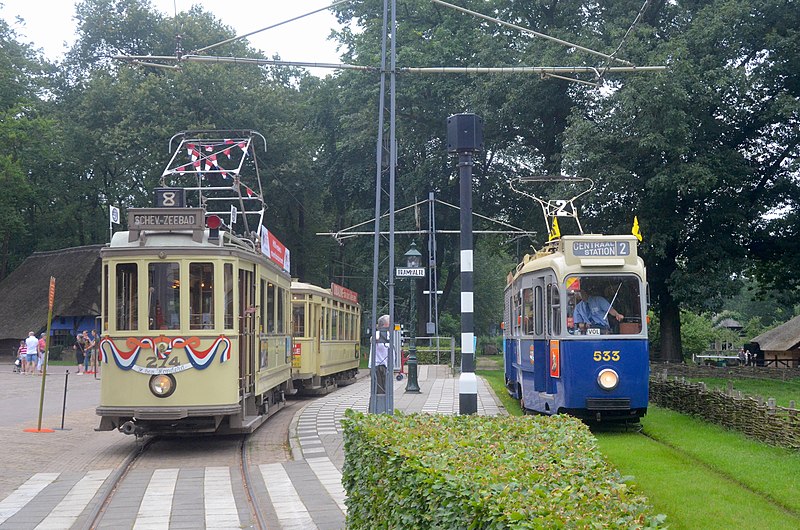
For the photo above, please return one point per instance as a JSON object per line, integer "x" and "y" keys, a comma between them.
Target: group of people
{"x": 32, "y": 350}
{"x": 746, "y": 357}
{"x": 31, "y": 354}
{"x": 86, "y": 351}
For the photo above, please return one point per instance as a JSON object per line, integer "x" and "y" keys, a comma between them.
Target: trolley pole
{"x": 465, "y": 137}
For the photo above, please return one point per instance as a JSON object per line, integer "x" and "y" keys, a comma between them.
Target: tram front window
{"x": 127, "y": 287}
{"x": 603, "y": 305}
{"x": 164, "y": 298}
{"x": 201, "y": 295}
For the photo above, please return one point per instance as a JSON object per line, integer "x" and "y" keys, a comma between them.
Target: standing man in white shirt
{"x": 31, "y": 353}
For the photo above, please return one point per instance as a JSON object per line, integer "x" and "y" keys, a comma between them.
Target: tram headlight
{"x": 608, "y": 379}
{"x": 162, "y": 385}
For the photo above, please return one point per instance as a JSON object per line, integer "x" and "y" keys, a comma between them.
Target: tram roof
{"x": 596, "y": 252}
{"x": 301, "y": 287}
{"x": 186, "y": 241}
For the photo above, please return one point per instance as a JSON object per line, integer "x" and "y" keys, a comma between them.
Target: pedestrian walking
{"x": 31, "y": 353}
{"x": 95, "y": 344}
{"x": 42, "y": 348}
{"x": 88, "y": 347}
{"x": 22, "y": 356}
{"x": 381, "y": 353}
{"x": 80, "y": 352}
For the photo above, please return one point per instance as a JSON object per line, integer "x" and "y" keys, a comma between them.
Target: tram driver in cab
{"x": 593, "y": 310}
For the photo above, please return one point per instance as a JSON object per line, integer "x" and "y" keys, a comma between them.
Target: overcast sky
{"x": 49, "y": 27}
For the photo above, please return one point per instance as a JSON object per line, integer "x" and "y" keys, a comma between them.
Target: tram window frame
{"x": 335, "y": 321}
{"x": 106, "y": 287}
{"x": 228, "y": 286}
{"x": 163, "y": 277}
{"x": 628, "y": 301}
{"x": 198, "y": 318}
{"x": 299, "y": 317}
{"x": 527, "y": 310}
{"x": 127, "y": 296}
{"x": 538, "y": 310}
{"x": 270, "y": 309}
{"x": 554, "y": 304}
{"x": 280, "y": 306}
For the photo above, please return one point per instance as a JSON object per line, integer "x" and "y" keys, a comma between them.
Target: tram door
{"x": 247, "y": 331}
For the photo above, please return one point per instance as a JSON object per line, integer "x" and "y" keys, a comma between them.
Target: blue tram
{"x": 575, "y": 329}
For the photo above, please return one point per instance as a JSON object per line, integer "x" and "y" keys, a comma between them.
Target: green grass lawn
{"x": 700, "y": 475}
{"x": 783, "y": 391}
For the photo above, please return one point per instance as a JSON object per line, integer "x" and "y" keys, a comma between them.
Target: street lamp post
{"x": 414, "y": 262}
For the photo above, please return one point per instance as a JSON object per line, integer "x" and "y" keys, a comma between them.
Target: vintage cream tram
{"x": 326, "y": 348}
{"x": 196, "y": 319}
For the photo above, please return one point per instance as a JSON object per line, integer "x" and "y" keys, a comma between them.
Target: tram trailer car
{"x": 195, "y": 328}
{"x": 325, "y": 330}
{"x": 556, "y": 363}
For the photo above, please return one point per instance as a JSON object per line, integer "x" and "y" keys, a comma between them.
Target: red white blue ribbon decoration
{"x": 124, "y": 359}
{"x": 201, "y": 359}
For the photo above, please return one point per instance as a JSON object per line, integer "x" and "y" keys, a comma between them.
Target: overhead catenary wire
{"x": 239, "y": 37}
{"x": 636, "y": 20}
{"x": 530, "y": 31}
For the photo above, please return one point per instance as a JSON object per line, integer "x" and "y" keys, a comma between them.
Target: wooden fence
{"x": 756, "y": 417}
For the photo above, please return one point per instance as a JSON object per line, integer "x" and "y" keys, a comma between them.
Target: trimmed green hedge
{"x": 449, "y": 472}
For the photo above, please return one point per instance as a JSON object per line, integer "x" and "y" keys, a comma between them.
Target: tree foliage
{"x": 705, "y": 154}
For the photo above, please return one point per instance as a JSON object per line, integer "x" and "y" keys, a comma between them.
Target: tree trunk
{"x": 671, "y": 349}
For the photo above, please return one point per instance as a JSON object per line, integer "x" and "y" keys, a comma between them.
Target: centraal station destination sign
{"x": 601, "y": 248}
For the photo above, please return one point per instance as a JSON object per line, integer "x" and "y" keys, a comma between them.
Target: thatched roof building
{"x": 780, "y": 345}
{"x": 24, "y": 292}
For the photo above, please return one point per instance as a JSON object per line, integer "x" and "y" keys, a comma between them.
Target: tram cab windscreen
{"x": 604, "y": 305}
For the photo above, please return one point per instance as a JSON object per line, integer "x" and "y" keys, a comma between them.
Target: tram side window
{"x": 281, "y": 303}
{"x": 335, "y": 323}
{"x": 270, "y": 307}
{"x": 299, "y": 319}
{"x": 228, "y": 277}
{"x": 127, "y": 297}
{"x": 554, "y": 302}
{"x": 201, "y": 295}
{"x": 538, "y": 311}
{"x": 106, "y": 287}
{"x": 527, "y": 311}
{"x": 164, "y": 304}
{"x": 604, "y": 305}
{"x": 517, "y": 313}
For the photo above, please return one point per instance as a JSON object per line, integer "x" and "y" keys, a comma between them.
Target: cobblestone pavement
{"x": 52, "y": 480}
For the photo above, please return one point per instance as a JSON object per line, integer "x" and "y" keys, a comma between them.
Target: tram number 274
{"x": 608, "y": 355}
{"x": 153, "y": 362}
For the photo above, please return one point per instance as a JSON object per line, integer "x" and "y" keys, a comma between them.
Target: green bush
{"x": 432, "y": 471}
{"x": 427, "y": 355}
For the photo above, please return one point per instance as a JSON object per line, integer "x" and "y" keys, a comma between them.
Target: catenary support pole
{"x": 465, "y": 137}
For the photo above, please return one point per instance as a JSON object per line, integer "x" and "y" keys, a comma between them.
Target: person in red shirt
{"x": 42, "y": 348}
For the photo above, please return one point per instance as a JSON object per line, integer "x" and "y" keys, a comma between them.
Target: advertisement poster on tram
{"x": 272, "y": 248}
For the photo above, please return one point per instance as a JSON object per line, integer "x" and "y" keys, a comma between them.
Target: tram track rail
{"x": 96, "y": 515}
{"x": 249, "y": 486}
{"x": 136, "y": 455}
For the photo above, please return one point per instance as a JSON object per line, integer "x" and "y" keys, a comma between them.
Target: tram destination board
{"x": 166, "y": 219}
{"x": 601, "y": 249}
